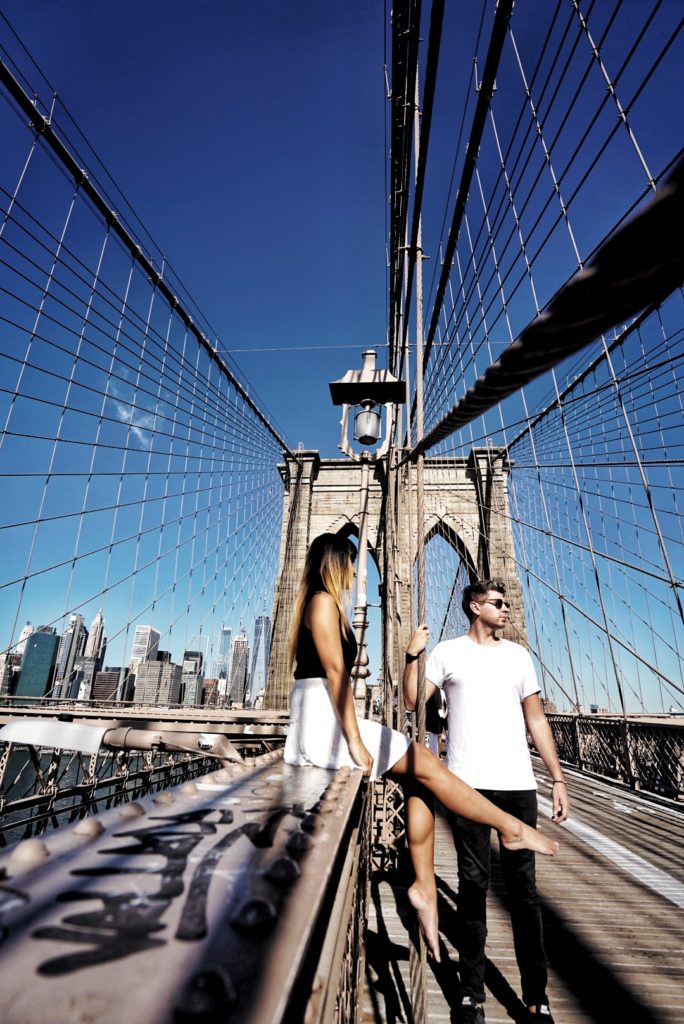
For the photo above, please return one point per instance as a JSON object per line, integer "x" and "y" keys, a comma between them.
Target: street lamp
{"x": 368, "y": 389}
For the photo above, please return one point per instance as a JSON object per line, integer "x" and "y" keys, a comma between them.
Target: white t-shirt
{"x": 485, "y": 685}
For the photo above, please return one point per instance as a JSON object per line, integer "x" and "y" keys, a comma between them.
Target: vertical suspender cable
{"x": 418, "y": 955}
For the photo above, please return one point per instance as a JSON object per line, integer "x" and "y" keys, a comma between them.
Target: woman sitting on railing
{"x": 325, "y": 731}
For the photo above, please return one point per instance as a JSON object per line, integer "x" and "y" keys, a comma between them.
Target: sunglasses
{"x": 498, "y": 603}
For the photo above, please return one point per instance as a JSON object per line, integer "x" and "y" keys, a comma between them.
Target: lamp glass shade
{"x": 367, "y": 423}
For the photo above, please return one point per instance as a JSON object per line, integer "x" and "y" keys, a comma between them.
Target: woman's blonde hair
{"x": 329, "y": 566}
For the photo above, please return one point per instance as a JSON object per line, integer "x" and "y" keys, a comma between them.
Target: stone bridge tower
{"x": 465, "y": 500}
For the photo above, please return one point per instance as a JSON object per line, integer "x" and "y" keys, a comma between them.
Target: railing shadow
{"x": 383, "y": 956}
{"x": 597, "y": 991}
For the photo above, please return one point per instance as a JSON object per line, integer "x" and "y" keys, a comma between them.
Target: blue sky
{"x": 249, "y": 138}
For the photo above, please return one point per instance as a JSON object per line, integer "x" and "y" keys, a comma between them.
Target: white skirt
{"x": 315, "y": 737}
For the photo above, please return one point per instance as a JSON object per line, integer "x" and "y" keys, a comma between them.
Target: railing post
{"x": 577, "y": 739}
{"x": 629, "y": 760}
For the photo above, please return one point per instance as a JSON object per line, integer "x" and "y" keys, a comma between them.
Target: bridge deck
{"x": 612, "y": 904}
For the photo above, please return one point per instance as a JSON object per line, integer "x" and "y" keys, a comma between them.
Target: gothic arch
{"x": 442, "y": 528}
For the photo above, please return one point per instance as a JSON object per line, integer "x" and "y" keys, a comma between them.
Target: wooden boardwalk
{"x": 613, "y": 904}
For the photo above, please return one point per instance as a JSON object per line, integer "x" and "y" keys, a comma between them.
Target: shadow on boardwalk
{"x": 614, "y": 945}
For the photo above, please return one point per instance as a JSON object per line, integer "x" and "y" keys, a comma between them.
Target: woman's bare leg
{"x": 456, "y": 796}
{"x": 420, "y": 833}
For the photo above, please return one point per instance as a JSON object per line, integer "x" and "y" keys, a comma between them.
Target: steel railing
{"x": 643, "y": 755}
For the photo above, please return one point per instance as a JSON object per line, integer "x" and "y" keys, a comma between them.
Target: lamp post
{"x": 367, "y": 389}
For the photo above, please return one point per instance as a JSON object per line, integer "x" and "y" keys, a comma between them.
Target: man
{"x": 492, "y": 698}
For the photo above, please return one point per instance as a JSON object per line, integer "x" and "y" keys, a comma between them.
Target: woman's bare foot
{"x": 426, "y": 911}
{"x": 521, "y": 837}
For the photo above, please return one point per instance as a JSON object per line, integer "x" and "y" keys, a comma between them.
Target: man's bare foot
{"x": 426, "y": 911}
{"x": 521, "y": 837}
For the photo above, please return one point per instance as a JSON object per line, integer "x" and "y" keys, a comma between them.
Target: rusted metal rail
{"x": 240, "y": 897}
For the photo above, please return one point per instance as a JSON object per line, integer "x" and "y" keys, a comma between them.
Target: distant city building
{"x": 128, "y": 685}
{"x": 158, "y": 682}
{"x": 10, "y": 666}
{"x": 38, "y": 662}
{"x": 210, "y": 692}
{"x": 5, "y": 675}
{"x": 71, "y": 645}
{"x": 23, "y": 637}
{"x": 106, "y": 684}
{"x": 222, "y": 664}
{"x": 145, "y": 644}
{"x": 163, "y": 655}
{"x": 192, "y": 678}
{"x": 83, "y": 676}
{"x": 96, "y": 644}
{"x": 260, "y": 656}
{"x": 239, "y": 667}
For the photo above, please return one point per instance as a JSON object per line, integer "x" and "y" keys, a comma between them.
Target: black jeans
{"x": 517, "y": 866}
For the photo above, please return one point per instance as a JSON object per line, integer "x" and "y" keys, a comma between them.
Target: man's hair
{"x": 479, "y": 589}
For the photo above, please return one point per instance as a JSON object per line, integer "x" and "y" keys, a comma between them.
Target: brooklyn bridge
{"x": 513, "y": 411}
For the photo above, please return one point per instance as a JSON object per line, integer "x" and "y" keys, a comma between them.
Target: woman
{"x": 325, "y": 731}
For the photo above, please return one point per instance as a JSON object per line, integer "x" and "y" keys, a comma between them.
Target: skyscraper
{"x": 23, "y": 637}
{"x": 71, "y": 644}
{"x": 260, "y": 657}
{"x": 222, "y": 665}
{"x": 191, "y": 682}
{"x": 239, "y": 665}
{"x": 38, "y": 662}
{"x": 10, "y": 666}
{"x": 145, "y": 644}
{"x": 97, "y": 644}
{"x": 82, "y": 678}
{"x": 158, "y": 682}
{"x": 106, "y": 685}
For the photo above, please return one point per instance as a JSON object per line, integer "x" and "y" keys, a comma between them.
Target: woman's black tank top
{"x": 309, "y": 664}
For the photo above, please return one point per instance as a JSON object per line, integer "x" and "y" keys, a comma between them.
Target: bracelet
{"x": 561, "y": 781}
{"x": 411, "y": 657}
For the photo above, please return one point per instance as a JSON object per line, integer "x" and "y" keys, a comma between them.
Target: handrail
{"x": 644, "y": 755}
{"x": 241, "y": 895}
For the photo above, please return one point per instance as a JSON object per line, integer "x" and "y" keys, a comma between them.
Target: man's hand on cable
{"x": 419, "y": 640}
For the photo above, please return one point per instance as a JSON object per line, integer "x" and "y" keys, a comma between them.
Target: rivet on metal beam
{"x": 207, "y": 997}
{"x": 28, "y": 854}
{"x": 282, "y": 871}
{"x": 89, "y": 828}
{"x": 255, "y": 915}
{"x": 164, "y": 798}
{"x": 299, "y": 842}
{"x": 133, "y": 810}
